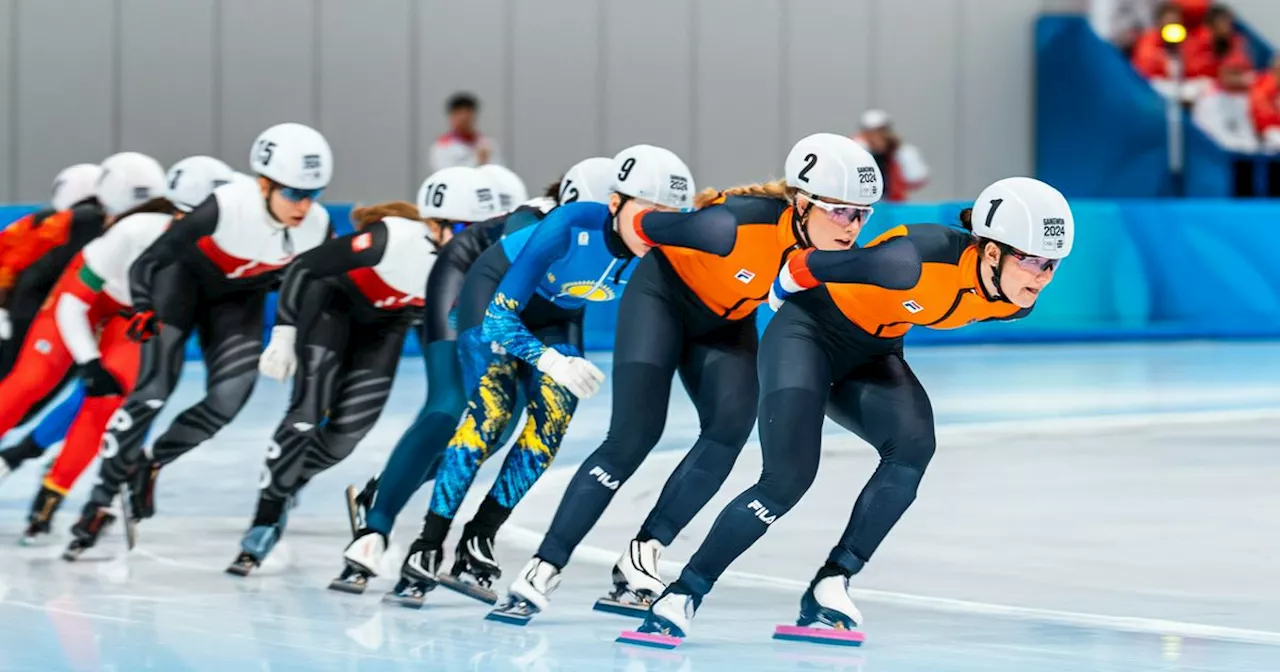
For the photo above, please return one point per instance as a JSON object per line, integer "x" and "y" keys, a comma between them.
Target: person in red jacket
{"x": 1214, "y": 43}
{"x": 1151, "y": 55}
{"x": 1264, "y": 106}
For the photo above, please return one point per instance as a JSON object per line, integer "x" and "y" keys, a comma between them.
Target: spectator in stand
{"x": 902, "y": 165}
{"x": 1223, "y": 113}
{"x": 1121, "y": 22}
{"x": 464, "y": 144}
{"x": 1152, "y": 57}
{"x": 1194, "y": 11}
{"x": 1214, "y": 43}
{"x": 1264, "y": 105}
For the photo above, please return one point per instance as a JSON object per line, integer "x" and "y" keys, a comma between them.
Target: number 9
{"x": 625, "y": 171}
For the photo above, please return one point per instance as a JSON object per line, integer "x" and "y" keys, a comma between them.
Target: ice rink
{"x": 1089, "y": 508}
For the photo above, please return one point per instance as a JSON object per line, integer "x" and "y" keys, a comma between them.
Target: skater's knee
{"x": 910, "y": 448}
{"x": 898, "y": 481}
{"x": 731, "y": 424}
{"x": 447, "y": 399}
{"x": 227, "y": 396}
{"x": 788, "y": 484}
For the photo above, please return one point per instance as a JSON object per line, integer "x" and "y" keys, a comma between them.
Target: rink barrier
{"x": 1140, "y": 270}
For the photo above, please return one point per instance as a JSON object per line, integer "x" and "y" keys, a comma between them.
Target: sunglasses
{"x": 844, "y": 213}
{"x": 1031, "y": 263}
{"x": 299, "y": 195}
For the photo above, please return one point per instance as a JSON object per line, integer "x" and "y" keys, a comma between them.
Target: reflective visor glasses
{"x": 299, "y": 195}
{"x": 1031, "y": 263}
{"x": 844, "y": 213}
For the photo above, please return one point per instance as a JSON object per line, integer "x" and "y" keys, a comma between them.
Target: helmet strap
{"x": 613, "y": 237}
{"x": 266, "y": 201}
{"x": 995, "y": 272}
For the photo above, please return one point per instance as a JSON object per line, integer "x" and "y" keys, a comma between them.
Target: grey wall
{"x": 728, "y": 84}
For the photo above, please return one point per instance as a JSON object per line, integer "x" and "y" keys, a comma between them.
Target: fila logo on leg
{"x": 761, "y": 512}
{"x": 604, "y": 478}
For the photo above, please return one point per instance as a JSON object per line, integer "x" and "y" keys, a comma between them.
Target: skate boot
{"x": 93, "y": 520}
{"x": 12, "y": 457}
{"x": 635, "y": 581}
{"x": 529, "y": 594}
{"x": 256, "y": 544}
{"x": 39, "y": 523}
{"x": 362, "y": 558}
{"x": 827, "y": 602}
{"x": 359, "y": 504}
{"x": 418, "y": 575}
{"x": 142, "y": 491}
{"x": 474, "y": 568}
{"x": 668, "y": 620}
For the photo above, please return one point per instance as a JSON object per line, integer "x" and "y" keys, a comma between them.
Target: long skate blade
{"x": 654, "y": 640}
{"x": 830, "y": 636}
{"x": 130, "y": 526}
{"x": 243, "y": 565}
{"x": 475, "y": 592}
{"x": 355, "y": 585}
{"x": 352, "y": 507}
{"x": 408, "y": 601}
{"x": 611, "y": 606}
{"x": 509, "y": 617}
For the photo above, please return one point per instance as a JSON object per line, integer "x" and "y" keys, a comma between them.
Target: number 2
{"x": 568, "y": 192}
{"x": 995, "y": 203}
{"x": 625, "y": 171}
{"x": 810, "y": 160}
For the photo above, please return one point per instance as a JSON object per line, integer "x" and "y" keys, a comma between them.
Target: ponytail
{"x": 776, "y": 189}
{"x": 553, "y": 190}
{"x": 159, "y": 205}
{"x": 364, "y": 216}
{"x": 966, "y": 219}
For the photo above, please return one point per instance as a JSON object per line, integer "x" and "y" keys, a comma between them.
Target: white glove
{"x": 279, "y": 361}
{"x": 576, "y": 374}
{"x": 6, "y": 327}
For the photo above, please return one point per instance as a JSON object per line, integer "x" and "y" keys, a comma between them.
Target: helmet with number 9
{"x": 128, "y": 180}
{"x": 1027, "y": 215}
{"x": 191, "y": 180}
{"x": 458, "y": 194}
{"x": 655, "y": 175}
{"x": 835, "y": 168}
{"x": 588, "y": 180}
{"x": 511, "y": 189}
{"x": 74, "y": 184}
{"x": 293, "y": 155}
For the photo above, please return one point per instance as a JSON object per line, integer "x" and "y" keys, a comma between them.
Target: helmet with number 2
{"x": 191, "y": 180}
{"x": 293, "y": 155}
{"x": 588, "y": 180}
{"x": 653, "y": 174}
{"x": 458, "y": 194}
{"x": 835, "y": 168}
{"x": 1027, "y": 215}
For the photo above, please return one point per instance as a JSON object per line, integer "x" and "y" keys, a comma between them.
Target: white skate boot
{"x": 828, "y": 602}
{"x": 529, "y": 594}
{"x": 636, "y": 583}
{"x": 362, "y": 557}
{"x": 667, "y": 622}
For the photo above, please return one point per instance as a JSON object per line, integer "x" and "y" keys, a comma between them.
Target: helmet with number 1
{"x": 191, "y": 180}
{"x": 293, "y": 155}
{"x": 588, "y": 180}
{"x": 511, "y": 189}
{"x": 834, "y": 168}
{"x": 458, "y": 194}
{"x": 1026, "y": 215}
{"x": 128, "y": 180}
{"x": 74, "y": 184}
{"x": 653, "y": 174}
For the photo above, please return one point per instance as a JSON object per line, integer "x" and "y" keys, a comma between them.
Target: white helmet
{"x": 293, "y": 155}
{"x": 74, "y": 184}
{"x": 653, "y": 174}
{"x": 588, "y": 180}
{"x": 875, "y": 119}
{"x": 128, "y": 180}
{"x": 191, "y": 180}
{"x": 834, "y": 167}
{"x": 1027, "y": 215}
{"x": 511, "y": 189}
{"x": 458, "y": 194}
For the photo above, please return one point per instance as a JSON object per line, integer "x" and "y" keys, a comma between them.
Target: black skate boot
{"x": 40, "y": 522}
{"x": 12, "y": 457}
{"x": 142, "y": 491}
{"x": 474, "y": 567}
{"x": 418, "y": 575}
{"x": 358, "y": 505}
{"x": 93, "y": 521}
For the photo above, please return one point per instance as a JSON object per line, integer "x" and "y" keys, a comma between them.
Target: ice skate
{"x": 12, "y": 457}
{"x": 418, "y": 575}
{"x": 93, "y": 520}
{"x": 529, "y": 594}
{"x": 255, "y": 545}
{"x": 358, "y": 505}
{"x": 826, "y": 602}
{"x": 667, "y": 623}
{"x": 40, "y": 521}
{"x": 142, "y": 491}
{"x": 362, "y": 558}
{"x": 474, "y": 569}
{"x": 635, "y": 580}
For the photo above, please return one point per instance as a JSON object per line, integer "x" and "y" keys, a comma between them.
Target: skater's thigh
{"x": 884, "y": 403}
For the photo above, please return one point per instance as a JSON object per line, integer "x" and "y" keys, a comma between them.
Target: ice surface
{"x": 1044, "y": 538}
